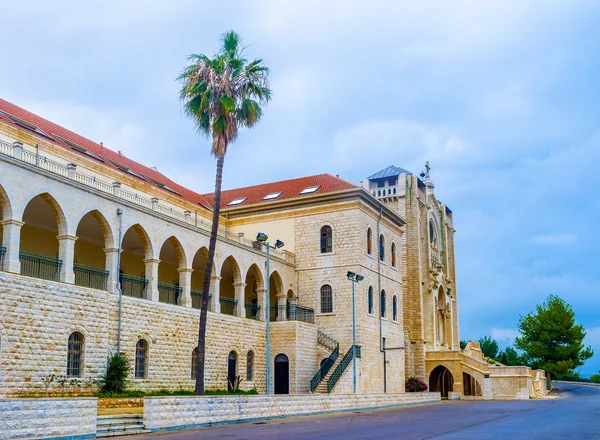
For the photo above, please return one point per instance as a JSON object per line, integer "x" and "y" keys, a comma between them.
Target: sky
{"x": 502, "y": 97}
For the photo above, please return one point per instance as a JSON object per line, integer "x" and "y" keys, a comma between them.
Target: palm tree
{"x": 221, "y": 94}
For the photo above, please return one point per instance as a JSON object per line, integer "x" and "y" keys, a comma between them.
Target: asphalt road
{"x": 574, "y": 415}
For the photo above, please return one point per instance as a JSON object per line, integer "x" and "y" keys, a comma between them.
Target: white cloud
{"x": 555, "y": 239}
{"x": 504, "y": 334}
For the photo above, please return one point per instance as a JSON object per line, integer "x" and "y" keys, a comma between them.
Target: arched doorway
{"x": 89, "y": 264}
{"x": 136, "y": 248}
{"x": 470, "y": 386}
{"x": 231, "y": 370}
{"x": 282, "y": 374}
{"x": 441, "y": 380}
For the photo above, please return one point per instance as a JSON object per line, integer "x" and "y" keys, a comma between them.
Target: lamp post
{"x": 355, "y": 278}
{"x": 262, "y": 239}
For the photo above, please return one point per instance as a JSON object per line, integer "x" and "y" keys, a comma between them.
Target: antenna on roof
{"x": 154, "y": 169}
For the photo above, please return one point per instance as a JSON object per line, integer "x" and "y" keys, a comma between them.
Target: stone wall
{"x": 511, "y": 383}
{"x": 189, "y": 412}
{"x": 48, "y": 418}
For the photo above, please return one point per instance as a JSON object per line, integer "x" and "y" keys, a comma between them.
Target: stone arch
{"x": 254, "y": 283}
{"x": 52, "y": 203}
{"x": 230, "y": 276}
{"x": 471, "y": 386}
{"x": 172, "y": 261}
{"x": 94, "y": 235}
{"x": 107, "y": 232}
{"x": 136, "y": 249}
{"x": 441, "y": 380}
{"x": 5, "y": 204}
{"x": 143, "y": 236}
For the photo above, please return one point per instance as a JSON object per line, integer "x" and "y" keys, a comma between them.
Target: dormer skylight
{"x": 161, "y": 184}
{"x": 25, "y": 124}
{"x": 272, "y": 196}
{"x": 310, "y": 189}
{"x": 121, "y": 167}
{"x": 77, "y": 147}
{"x": 237, "y": 201}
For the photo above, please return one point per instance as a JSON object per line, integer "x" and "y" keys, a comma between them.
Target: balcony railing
{"x": 252, "y": 311}
{"x": 92, "y": 181}
{"x": 197, "y": 299}
{"x": 169, "y": 293}
{"x": 133, "y": 286}
{"x": 228, "y": 305}
{"x": 386, "y": 191}
{"x": 37, "y": 266}
{"x": 297, "y": 312}
{"x": 88, "y": 276}
{"x": 2, "y": 254}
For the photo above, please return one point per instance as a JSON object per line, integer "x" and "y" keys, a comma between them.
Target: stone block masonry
{"x": 48, "y": 418}
{"x": 173, "y": 413}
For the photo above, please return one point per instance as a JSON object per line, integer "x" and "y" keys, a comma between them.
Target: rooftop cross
{"x": 427, "y": 168}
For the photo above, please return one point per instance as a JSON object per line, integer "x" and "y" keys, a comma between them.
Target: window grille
{"x": 141, "y": 359}
{"x": 75, "y": 355}
{"x": 381, "y": 248}
{"x": 393, "y": 254}
{"x": 395, "y": 308}
{"x": 326, "y": 239}
{"x": 326, "y": 299}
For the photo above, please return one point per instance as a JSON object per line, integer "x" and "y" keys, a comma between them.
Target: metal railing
{"x": 38, "y": 266}
{"x": 252, "y": 311}
{"x": 341, "y": 368}
{"x": 169, "y": 293}
{"x": 197, "y": 299}
{"x": 228, "y": 305}
{"x": 133, "y": 286}
{"x": 325, "y": 367}
{"x": 2, "y": 254}
{"x": 326, "y": 341}
{"x": 88, "y": 276}
{"x": 297, "y": 312}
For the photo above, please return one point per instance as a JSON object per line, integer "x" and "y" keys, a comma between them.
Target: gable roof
{"x": 289, "y": 189}
{"x": 11, "y": 114}
{"x": 391, "y": 171}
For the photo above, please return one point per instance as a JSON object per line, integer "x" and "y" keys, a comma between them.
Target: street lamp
{"x": 355, "y": 278}
{"x": 262, "y": 238}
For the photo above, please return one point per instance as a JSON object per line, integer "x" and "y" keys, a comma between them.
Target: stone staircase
{"x": 322, "y": 387}
{"x": 124, "y": 424}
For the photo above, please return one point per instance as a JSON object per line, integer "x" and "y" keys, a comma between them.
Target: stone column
{"x": 215, "y": 287}
{"x": 154, "y": 201}
{"x": 262, "y": 302}
{"x": 112, "y": 255}
{"x": 117, "y": 188}
{"x": 18, "y": 150}
{"x": 185, "y": 281}
{"x": 71, "y": 167}
{"x": 152, "y": 277}
{"x": 11, "y": 240}
{"x": 66, "y": 252}
{"x": 240, "y": 296}
{"x": 281, "y": 308}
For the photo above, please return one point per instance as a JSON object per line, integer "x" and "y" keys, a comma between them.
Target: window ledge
{"x": 326, "y": 314}
{"x": 325, "y": 254}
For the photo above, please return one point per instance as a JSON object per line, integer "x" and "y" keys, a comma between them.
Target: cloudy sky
{"x": 502, "y": 97}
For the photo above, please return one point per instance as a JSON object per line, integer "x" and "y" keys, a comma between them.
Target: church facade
{"x": 101, "y": 253}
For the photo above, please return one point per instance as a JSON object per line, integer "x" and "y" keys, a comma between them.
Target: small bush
{"x": 595, "y": 378}
{"x": 115, "y": 379}
{"x": 414, "y": 385}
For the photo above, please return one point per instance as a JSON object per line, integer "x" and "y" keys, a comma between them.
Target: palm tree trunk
{"x": 207, "y": 276}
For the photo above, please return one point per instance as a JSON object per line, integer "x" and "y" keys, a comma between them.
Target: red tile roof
{"x": 54, "y": 130}
{"x": 255, "y": 194}
{"x": 290, "y": 189}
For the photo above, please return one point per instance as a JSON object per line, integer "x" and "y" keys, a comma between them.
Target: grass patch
{"x": 162, "y": 393}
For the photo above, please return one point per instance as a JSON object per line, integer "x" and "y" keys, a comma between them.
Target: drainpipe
{"x": 381, "y": 345}
{"x": 120, "y": 216}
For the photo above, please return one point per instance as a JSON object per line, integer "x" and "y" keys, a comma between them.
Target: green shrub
{"x": 115, "y": 379}
{"x": 595, "y": 377}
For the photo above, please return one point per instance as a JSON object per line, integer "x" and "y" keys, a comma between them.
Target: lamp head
{"x": 278, "y": 244}
{"x": 359, "y": 277}
{"x": 351, "y": 275}
{"x": 262, "y": 237}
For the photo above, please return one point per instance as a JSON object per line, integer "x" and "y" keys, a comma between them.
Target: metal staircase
{"x": 333, "y": 367}
{"x": 341, "y": 367}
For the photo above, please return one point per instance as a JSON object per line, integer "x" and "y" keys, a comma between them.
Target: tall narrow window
{"x": 141, "y": 359}
{"x": 75, "y": 355}
{"x": 395, "y": 308}
{"x": 369, "y": 241}
{"x": 326, "y": 299}
{"x": 382, "y": 304}
{"x": 326, "y": 239}
{"x": 250, "y": 366}
{"x": 393, "y": 254}
{"x": 432, "y": 238}
{"x": 194, "y": 362}
{"x": 381, "y": 248}
{"x": 370, "y": 300}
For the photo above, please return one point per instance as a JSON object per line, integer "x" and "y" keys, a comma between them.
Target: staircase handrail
{"x": 324, "y": 369}
{"x": 326, "y": 341}
{"x": 342, "y": 367}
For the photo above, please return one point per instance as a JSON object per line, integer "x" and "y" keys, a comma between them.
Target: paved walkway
{"x": 575, "y": 415}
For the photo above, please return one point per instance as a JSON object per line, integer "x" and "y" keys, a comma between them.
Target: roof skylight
{"x": 310, "y": 189}
{"x": 237, "y": 201}
{"x": 161, "y": 184}
{"x": 25, "y": 124}
{"x": 272, "y": 196}
{"x": 122, "y": 167}
{"x": 77, "y": 147}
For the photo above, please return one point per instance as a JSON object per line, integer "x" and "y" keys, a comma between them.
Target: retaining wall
{"x": 48, "y": 418}
{"x": 171, "y": 413}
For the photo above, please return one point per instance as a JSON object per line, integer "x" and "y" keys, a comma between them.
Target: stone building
{"x": 99, "y": 251}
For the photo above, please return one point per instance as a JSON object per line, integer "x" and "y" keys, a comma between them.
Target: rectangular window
{"x": 310, "y": 189}
{"x": 237, "y": 201}
{"x": 272, "y": 196}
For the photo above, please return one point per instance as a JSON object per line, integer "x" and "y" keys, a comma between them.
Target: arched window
{"x": 432, "y": 238}
{"x": 369, "y": 241}
{"x": 382, "y": 304}
{"x": 75, "y": 355}
{"x": 194, "y": 362}
{"x": 326, "y": 239}
{"x": 250, "y": 366}
{"x": 381, "y": 248}
{"x": 326, "y": 299}
{"x": 370, "y": 300}
{"x": 141, "y": 359}
{"x": 393, "y": 254}
{"x": 395, "y": 308}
